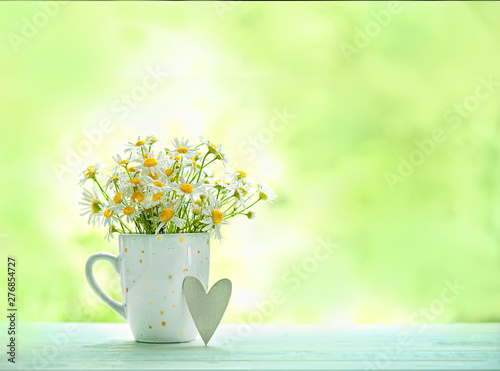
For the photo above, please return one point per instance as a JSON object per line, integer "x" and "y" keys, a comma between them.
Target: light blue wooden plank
{"x": 82, "y": 346}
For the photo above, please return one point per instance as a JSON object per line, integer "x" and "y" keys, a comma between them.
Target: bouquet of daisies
{"x": 155, "y": 188}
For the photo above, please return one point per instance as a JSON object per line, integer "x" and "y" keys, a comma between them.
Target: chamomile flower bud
{"x": 196, "y": 211}
{"x": 250, "y": 215}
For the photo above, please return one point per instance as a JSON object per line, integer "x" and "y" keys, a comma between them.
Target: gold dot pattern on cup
{"x": 125, "y": 249}
{"x": 149, "y": 303}
{"x": 173, "y": 291}
{"x": 163, "y": 323}
{"x": 181, "y": 239}
{"x": 174, "y": 305}
{"x": 140, "y": 261}
{"x": 170, "y": 277}
{"x": 137, "y": 296}
{"x": 182, "y": 332}
{"x": 159, "y": 238}
{"x": 164, "y": 297}
{"x": 127, "y": 270}
{"x": 198, "y": 251}
{"x": 142, "y": 252}
{"x": 150, "y": 327}
{"x": 126, "y": 289}
{"x": 185, "y": 271}
{"x": 161, "y": 312}
{"x": 154, "y": 290}
{"x": 147, "y": 279}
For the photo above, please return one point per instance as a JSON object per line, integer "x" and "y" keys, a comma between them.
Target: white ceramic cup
{"x": 152, "y": 269}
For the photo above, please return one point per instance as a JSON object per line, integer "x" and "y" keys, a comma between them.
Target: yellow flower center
{"x": 137, "y": 197}
{"x": 217, "y": 216}
{"x": 95, "y": 206}
{"x": 108, "y": 213}
{"x": 166, "y": 215}
{"x": 149, "y": 162}
{"x": 169, "y": 172}
{"x": 158, "y": 183}
{"x": 157, "y": 196}
{"x": 262, "y": 196}
{"x": 127, "y": 210}
{"x": 118, "y": 198}
{"x": 186, "y": 188}
{"x": 140, "y": 143}
{"x": 123, "y": 162}
{"x": 134, "y": 181}
{"x": 90, "y": 171}
{"x": 242, "y": 173}
{"x": 131, "y": 169}
{"x": 182, "y": 150}
{"x": 155, "y": 176}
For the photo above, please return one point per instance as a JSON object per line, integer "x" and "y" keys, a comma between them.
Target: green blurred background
{"x": 326, "y": 101}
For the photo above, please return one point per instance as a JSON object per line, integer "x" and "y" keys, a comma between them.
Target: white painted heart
{"x": 207, "y": 309}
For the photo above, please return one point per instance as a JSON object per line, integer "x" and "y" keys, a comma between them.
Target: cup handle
{"x": 113, "y": 304}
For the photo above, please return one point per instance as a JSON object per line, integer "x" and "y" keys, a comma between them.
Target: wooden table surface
{"x": 104, "y": 346}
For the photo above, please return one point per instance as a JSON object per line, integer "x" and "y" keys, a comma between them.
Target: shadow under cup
{"x": 152, "y": 269}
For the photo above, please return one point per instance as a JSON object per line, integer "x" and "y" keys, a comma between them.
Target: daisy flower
{"x": 168, "y": 216}
{"x": 239, "y": 175}
{"x": 219, "y": 184}
{"x": 130, "y": 214}
{"x": 182, "y": 148}
{"x": 132, "y": 185}
{"x": 266, "y": 193}
{"x": 111, "y": 230}
{"x": 156, "y": 185}
{"x": 91, "y": 205}
{"x": 214, "y": 218}
{"x": 137, "y": 197}
{"x": 108, "y": 211}
{"x": 169, "y": 171}
{"x": 89, "y": 173}
{"x": 209, "y": 144}
{"x": 120, "y": 161}
{"x": 112, "y": 180}
{"x": 139, "y": 145}
{"x": 217, "y": 151}
{"x": 151, "y": 164}
{"x": 221, "y": 155}
{"x": 183, "y": 188}
{"x": 240, "y": 192}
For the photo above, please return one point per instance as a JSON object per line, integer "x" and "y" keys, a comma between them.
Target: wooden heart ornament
{"x": 206, "y": 309}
